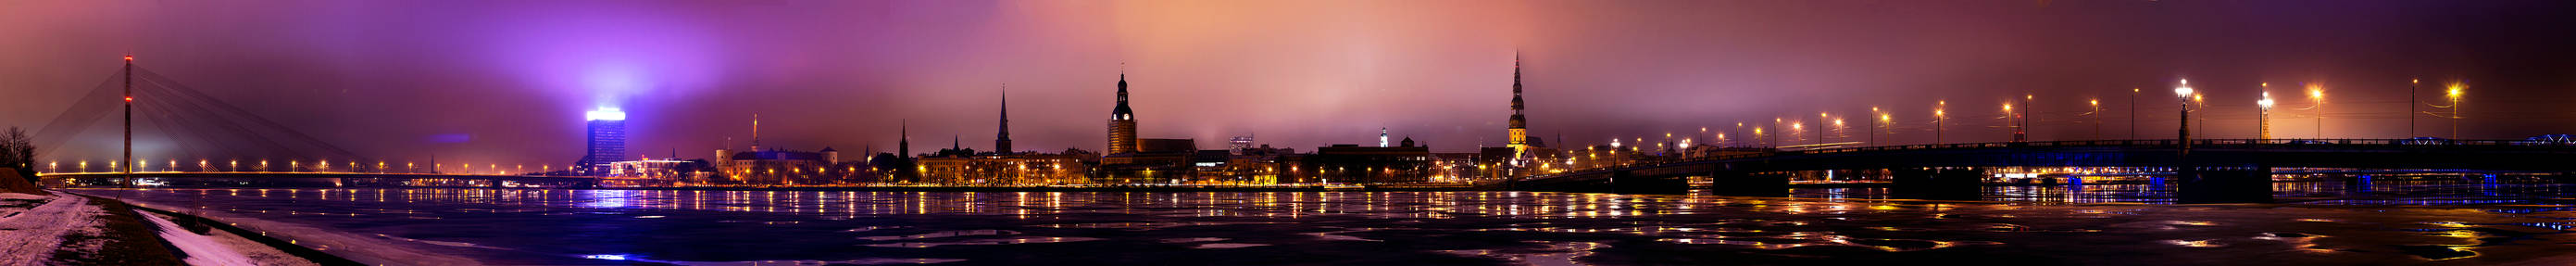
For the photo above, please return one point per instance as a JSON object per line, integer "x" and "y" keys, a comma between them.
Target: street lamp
{"x": 1938, "y": 116}
{"x": 1796, "y": 126}
{"x": 2182, "y": 93}
{"x": 2411, "y": 104}
{"x": 2454, "y": 94}
{"x": 1820, "y": 128}
{"x": 2027, "y": 105}
{"x": 2009, "y": 122}
{"x": 2097, "y": 117}
{"x": 1883, "y": 118}
{"x": 2264, "y": 117}
{"x": 1873, "y": 126}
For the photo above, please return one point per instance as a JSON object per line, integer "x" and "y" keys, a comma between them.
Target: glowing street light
{"x": 2264, "y": 117}
{"x": 1937, "y": 116}
{"x": 2097, "y": 116}
{"x": 1820, "y": 131}
{"x": 2183, "y": 93}
{"x": 2454, "y": 94}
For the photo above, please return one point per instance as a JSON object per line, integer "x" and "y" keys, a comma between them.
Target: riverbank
{"x": 74, "y": 229}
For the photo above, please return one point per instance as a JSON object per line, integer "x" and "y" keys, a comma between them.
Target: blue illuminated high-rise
{"x": 607, "y": 141}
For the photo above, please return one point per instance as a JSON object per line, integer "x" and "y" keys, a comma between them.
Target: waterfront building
{"x": 1157, "y": 161}
{"x": 648, "y": 172}
{"x": 959, "y": 166}
{"x": 607, "y": 141}
{"x": 1253, "y": 165}
{"x": 774, "y": 166}
{"x": 1351, "y": 163}
{"x": 1454, "y": 167}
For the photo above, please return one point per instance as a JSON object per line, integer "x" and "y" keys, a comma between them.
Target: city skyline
{"x": 1583, "y": 84}
{"x": 1287, "y": 132}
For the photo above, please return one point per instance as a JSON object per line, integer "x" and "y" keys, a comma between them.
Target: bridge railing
{"x": 2542, "y": 145}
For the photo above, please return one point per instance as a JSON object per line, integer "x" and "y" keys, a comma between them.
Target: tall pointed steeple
{"x": 903, "y": 147}
{"x": 1519, "y": 130}
{"x": 755, "y": 132}
{"x": 1002, "y": 140}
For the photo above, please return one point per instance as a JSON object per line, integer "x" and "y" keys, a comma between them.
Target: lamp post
{"x": 2133, "y": 113}
{"x": 1937, "y": 116}
{"x": 1820, "y": 129}
{"x": 2009, "y": 122}
{"x": 2022, "y": 133}
{"x": 1873, "y": 126}
{"x": 2182, "y": 93}
{"x": 2454, "y": 94}
{"x": 2264, "y": 117}
{"x": 2411, "y": 103}
{"x": 2097, "y": 117}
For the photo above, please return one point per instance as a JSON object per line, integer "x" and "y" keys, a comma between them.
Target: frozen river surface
{"x": 531, "y": 226}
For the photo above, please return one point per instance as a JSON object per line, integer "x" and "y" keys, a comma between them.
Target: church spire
{"x": 1519, "y": 139}
{"x": 903, "y": 146}
{"x": 1002, "y": 141}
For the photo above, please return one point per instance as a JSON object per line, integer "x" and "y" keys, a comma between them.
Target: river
{"x": 2526, "y": 224}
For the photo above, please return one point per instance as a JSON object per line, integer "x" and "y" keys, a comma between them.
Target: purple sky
{"x": 386, "y": 78}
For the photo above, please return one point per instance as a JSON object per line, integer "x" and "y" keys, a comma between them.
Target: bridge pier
{"x": 1938, "y": 183}
{"x": 2225, "y": 185}
{"x": 1750, "y": 184}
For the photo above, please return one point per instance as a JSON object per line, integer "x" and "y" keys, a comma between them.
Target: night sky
{"x": 389, "y": 78}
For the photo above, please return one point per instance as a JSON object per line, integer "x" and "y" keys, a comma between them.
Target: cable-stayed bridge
{"x": 214, "y": 143}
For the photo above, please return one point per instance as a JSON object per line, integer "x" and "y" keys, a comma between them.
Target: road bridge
{"x": 2209, "y": 170}
{"x": 312, "y": 179}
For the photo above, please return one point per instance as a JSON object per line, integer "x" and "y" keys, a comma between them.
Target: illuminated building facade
{"x": 997, "y": 169}
{"x": 607, "y": 140}
{"x": 1351, "y": 163}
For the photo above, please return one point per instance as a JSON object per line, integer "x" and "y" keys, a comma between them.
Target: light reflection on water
{"x": 527, "y": 226}
{"x": 2411, "y": 192}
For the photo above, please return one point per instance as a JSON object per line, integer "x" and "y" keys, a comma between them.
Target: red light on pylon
{"x": 129, "y": 99}
{"x": 129, "y": 58}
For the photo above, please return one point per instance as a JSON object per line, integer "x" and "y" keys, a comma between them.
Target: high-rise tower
{"x": 1002, "y": 140}
{"x": 607, "y": 140}
{"x": 1122, "y": 123}
{"x": 1519, "y": 141}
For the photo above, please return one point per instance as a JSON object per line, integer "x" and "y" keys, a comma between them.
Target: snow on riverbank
{"x": 372, "y": 250}
{"x": 201, "y": 250}
{"x": 32, "y": 236}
